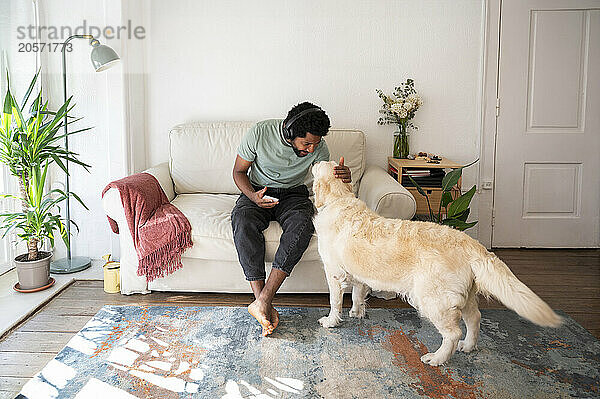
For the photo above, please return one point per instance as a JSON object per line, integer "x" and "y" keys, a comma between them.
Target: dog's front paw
{"x": 433, "y": 359}
{"x": 329, "y": 321}
{"x": 358, "y": 312}
{"x": 466, "y": 346}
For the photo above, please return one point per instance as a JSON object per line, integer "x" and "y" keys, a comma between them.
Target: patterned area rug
{"x": 218, "y": 352}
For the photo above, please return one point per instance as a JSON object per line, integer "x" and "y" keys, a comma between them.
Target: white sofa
{"x": 198, "y": 180}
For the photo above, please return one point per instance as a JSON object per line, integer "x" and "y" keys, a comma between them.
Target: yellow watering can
{"x": 112, "y": 275}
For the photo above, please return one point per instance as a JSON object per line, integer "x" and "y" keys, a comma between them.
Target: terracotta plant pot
{"x": 35, "y": 273}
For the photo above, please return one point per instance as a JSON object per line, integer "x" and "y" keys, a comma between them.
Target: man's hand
{"x": 342, "y": 172}
{"x": 257, "y": 198}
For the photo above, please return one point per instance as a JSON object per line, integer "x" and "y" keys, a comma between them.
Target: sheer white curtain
{"x": 6, "y": 205}
{"x": 5, "y": 242}
{"x": 6, "y": 187}
{"x": 22, "y": 67}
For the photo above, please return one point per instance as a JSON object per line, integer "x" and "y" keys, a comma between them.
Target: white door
{"x": 547, "y": 170}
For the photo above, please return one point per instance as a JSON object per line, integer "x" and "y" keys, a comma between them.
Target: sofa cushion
{"x": 202, "y": 155}
{"x": 212, "y": 235}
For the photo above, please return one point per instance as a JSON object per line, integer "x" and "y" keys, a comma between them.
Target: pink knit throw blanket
{"x": 161, "y": 233}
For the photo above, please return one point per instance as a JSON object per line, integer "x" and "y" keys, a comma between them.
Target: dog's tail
{"x": 494, "y": 278}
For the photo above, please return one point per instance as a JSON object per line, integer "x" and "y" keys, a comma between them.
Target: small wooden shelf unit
{"x": 434, "y": 193}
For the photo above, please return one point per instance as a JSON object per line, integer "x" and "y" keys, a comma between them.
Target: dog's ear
{"x": 349, "y": 187}
{"x": 321, "y": 191}
{"x": 317, "y": 185}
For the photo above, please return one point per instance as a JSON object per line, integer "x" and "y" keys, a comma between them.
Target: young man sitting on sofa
{"x": 279, "y": 154}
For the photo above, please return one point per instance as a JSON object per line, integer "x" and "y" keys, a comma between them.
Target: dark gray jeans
{"x": 294, "y": 213}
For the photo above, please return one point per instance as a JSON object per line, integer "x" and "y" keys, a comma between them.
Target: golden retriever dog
{"x": 437, "y": 269}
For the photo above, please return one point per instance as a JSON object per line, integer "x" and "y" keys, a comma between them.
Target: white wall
{"x": 251, "y": 60}
{"x": 239, "y": 60}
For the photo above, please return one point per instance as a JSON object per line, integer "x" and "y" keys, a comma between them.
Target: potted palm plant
{"x": 29, "y": 143}
{"x": 36, "y": 223}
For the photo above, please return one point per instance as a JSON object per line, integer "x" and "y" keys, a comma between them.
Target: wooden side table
{"x": 434, "y": 193}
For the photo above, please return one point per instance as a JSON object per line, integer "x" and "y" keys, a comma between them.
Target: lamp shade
{"x": 103, "y": 57}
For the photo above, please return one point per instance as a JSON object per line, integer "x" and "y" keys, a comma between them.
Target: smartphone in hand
{"x": 269, "y": 198}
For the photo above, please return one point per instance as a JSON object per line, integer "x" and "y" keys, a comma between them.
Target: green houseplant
{"x": 456, "y": 209}
{"x": 399, "y": 109}
{"x": 29, "y": 143}
{"x": 36, "y": 223}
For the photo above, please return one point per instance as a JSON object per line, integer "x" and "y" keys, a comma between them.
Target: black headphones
{"x": 287, "y": 133}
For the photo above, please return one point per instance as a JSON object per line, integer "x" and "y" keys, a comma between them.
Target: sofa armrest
{"x": 131, "y": 283}
{"x": 385, "y": 195}
{"x": 163, "y": 175}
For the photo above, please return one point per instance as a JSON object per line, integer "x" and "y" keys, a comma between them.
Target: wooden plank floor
{"x": 567, "y": 279}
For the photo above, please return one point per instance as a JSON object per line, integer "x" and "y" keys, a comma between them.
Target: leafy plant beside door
{"x": 28, "y": 146}
{"x": 456, "y": 210}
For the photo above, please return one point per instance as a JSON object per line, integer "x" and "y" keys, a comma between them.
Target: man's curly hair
{"x": 316, "y": 123}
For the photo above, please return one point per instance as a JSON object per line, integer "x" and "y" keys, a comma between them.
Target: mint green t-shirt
{"x": 274, "y": 162}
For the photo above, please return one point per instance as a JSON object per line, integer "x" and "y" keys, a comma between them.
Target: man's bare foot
{"x": 274, "y": 317}
{"x": 262, "y": 314}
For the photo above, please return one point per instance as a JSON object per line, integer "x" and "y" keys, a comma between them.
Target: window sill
{"x": 5, "y": 268}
